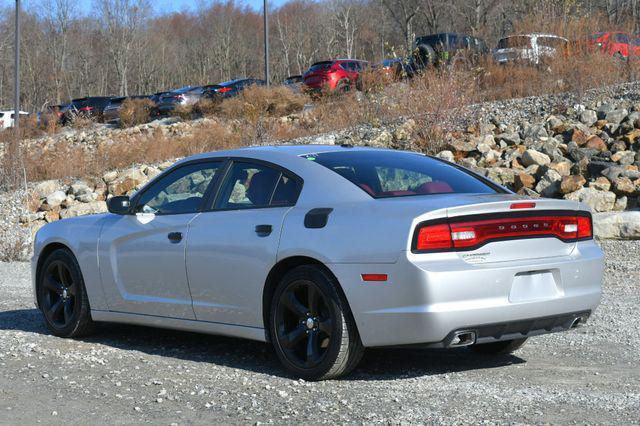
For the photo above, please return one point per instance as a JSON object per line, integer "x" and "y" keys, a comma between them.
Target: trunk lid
{"x": 497, "y": 212}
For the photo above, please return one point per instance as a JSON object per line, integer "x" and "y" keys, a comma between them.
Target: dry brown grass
{"x": 66, "y": 160}
{"x": 135, "y": 112}
{"x": 257, "y": 102}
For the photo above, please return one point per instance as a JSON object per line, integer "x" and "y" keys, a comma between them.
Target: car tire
{"x": 62, "y": 296}
{"x": 316, "y": 339}
{"x": 499, "y": 348}
{"x": 343, "y": 86}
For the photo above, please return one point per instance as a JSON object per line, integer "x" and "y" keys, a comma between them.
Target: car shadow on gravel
{"x": 377, "y": 364}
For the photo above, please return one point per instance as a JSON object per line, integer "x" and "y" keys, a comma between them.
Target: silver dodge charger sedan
{"x": 324, "y": 251}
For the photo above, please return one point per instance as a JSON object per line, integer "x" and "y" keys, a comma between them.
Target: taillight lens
{"x": 86, "y": 109}
{"x": 224, "y": 89}
{"x": 585, "y": 228}
{"x": 434, "y": 237}
{"x": 463, "y": 234}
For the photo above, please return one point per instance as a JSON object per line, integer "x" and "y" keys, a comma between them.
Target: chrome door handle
{"x": 175, "y": 237}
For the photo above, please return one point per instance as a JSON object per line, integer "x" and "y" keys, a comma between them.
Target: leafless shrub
{"x": 135, "y": 112}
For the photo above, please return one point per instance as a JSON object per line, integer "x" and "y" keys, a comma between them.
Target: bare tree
{"x": 403, "y": 12}
{"x": 122, "y": 22}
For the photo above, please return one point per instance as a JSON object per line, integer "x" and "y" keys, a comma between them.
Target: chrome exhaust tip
{"x": 579, "y": 321}
{"x": 462, "y": 338}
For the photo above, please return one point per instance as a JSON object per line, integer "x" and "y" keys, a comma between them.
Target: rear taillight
{"x": 463, "y": 234}
{"x": 585, "y": 228}
{"x": 224, "y": 89}
{"x": 434, "y": 237}
{"x": 86, "y": 109}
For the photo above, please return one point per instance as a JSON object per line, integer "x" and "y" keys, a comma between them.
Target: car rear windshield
{"x": 385, "y": 174}
{"x": 318, "y": 66}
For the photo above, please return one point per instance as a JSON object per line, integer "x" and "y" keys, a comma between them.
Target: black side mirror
{"x": 119, "y": 205}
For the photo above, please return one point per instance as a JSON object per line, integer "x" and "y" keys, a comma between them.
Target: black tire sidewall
{"x": 81, "y": 308}
{"x": 338, "y": 317}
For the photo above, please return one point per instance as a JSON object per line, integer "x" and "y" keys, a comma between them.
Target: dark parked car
{"x": 111, "y": 113}
{"x": 230, "y": 88}
{"x": 168, "y": 101}
{"x": 293, "y": 82}
{"x": 449, "y": 49}
{"x": 90, "y": 107}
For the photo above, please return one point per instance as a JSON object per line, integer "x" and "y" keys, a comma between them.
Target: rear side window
{"x": 386, "y": 174}
{"x": 622, "y": 38}
{"x": 250, "y": 185}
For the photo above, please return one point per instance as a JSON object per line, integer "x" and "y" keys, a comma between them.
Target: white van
{"x": 6, "y": 118}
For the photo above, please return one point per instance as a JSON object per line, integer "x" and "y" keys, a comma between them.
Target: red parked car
{"x": 335, "y": 75}
{"x": 615, "y": 43}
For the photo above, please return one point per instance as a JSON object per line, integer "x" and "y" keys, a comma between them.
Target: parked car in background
{"x": 7, "y": 118}
{"x": 111, "y": 113}
{"x": 615, "y": 43}
{"x": 231, "y": 88}
{"x": 89, "y": 107}
{"x": 294, "y": 82}
{"x": 169, "y": 101}
{"x": 529, "y": 48}
{"x": 451, "y": 49}
{"x": 338, "y": 75}
{"x": 391, "y": 68}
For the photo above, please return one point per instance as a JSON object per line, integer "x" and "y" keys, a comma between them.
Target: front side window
{"x": 385, "y": 174}
{"x": 622, "y": 38}
{"x": 180, "y": 191}
{"x": 249, "y": 185}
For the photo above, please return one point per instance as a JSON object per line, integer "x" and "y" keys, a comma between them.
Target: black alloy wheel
{"x": 60, "y": 290}
{"x": 311, "y": 326}
{"x": 304, "y": 325}
{"x": 62, "y": 296}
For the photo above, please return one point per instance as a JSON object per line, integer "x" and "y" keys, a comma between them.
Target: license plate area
{"x": 534, "y": 285}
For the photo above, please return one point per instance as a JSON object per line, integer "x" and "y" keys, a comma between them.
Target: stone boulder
{"x": 84, "y": 209}
{"x": 531, "y": 157}
{"x": 617, "y": 225}
{"x": 599, "y": 201}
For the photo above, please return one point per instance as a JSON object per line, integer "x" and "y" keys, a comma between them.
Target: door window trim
{"x": 212, "y": 201}
{"x": 212, "y": 185}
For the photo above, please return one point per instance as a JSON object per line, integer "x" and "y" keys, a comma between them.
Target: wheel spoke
{"x": 51, "y": 284}
{"x": 326, "y": 326}
{"x": 55, "y": 309}
{"x": 312, "y": 299}
{"x": 292, "y": 303}
{"x": 68, "y": 310}
{"x": 71, "y": 290}
{"x": 292, "y": 338}
{"x": 313, "y": 353}
{"x": 62, "y": 276}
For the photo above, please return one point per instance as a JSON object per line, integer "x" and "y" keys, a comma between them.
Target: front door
{"x": 142, "y": 255}
{"x": 232, "y": 248}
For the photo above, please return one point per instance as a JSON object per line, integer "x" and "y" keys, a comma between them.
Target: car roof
{"x": 291, "y": 151}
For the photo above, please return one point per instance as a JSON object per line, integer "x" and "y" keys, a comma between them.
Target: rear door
{"x": 232, "y": 247}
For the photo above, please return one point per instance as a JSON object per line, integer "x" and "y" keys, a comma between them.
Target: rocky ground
{"x": 139, "y": 375}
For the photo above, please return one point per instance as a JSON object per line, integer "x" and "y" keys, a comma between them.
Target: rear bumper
{"x": 425, "y": 300}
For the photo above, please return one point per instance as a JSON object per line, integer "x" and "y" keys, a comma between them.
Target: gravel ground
{"x": 135, "y": 374}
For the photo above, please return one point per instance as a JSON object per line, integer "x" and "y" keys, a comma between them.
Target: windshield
{"x": 386, "y": 174}
{"x": 520, "y": 42}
